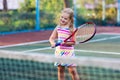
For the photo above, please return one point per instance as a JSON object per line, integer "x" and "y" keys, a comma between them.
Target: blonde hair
{"x": 71, "y": 16}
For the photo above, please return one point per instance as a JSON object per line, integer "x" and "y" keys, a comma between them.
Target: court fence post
{"x": 75, "y": 13}
{"x": 118, "y": 12}
{"x": 37, "y": 27}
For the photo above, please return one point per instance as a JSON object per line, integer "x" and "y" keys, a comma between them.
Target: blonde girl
{"x": 66, "y": 49}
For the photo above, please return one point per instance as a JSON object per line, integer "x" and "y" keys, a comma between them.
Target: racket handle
{"x": 57, "y": 44}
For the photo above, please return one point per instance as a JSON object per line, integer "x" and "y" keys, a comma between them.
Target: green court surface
{"x": 102, "y": 45}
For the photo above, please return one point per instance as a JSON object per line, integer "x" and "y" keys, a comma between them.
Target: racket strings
{"x": 85, "y": 32}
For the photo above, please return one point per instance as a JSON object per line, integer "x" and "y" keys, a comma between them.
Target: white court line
{"x": 91, "y": 51}
{"x": 103, "y": 39}
{"x": 109, "y": 33}
{"x": 27, "y": 43}
{"x": 37, "y": 49}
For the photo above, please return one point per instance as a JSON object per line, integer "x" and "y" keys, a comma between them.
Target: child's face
{"x": 64, "y": 19}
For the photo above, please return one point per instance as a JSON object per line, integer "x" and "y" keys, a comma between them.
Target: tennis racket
{"x": 83, "y": 33}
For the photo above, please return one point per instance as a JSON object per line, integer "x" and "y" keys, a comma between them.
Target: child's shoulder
{"x": 57, "y": 27}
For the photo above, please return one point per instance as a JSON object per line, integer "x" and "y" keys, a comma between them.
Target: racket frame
{"x": 92, "y": 34}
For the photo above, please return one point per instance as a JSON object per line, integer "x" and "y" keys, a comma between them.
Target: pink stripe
{"x": 69, "y": 48}
{"x": 64, "y": 32}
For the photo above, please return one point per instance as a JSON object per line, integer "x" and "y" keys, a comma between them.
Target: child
{"x": 61, "y": 32}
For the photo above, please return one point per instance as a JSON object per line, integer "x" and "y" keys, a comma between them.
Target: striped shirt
{"x": 66, "y": 51}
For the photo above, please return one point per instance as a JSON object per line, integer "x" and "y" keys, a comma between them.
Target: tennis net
{"x": 34, "y": 66}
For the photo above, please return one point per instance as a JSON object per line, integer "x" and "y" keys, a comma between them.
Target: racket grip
{"x": 57, "y": 44}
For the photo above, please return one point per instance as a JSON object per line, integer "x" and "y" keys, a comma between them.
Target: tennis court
{"x": 102, "y": 45}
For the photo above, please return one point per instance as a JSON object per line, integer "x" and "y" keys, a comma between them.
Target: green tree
{"x": 27, "y": 6}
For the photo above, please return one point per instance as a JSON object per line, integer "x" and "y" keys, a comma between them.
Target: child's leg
{"x": 73, "y": 72}
{"x": 61, "y": 72}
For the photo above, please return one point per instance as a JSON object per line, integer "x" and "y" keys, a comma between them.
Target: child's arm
{"x": 53, "y": 37}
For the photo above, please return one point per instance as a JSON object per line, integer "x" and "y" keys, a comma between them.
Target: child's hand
{"x": 53, "y": 45}
{"x": 56, "y": 44}
{"x": 63, "y": 43}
